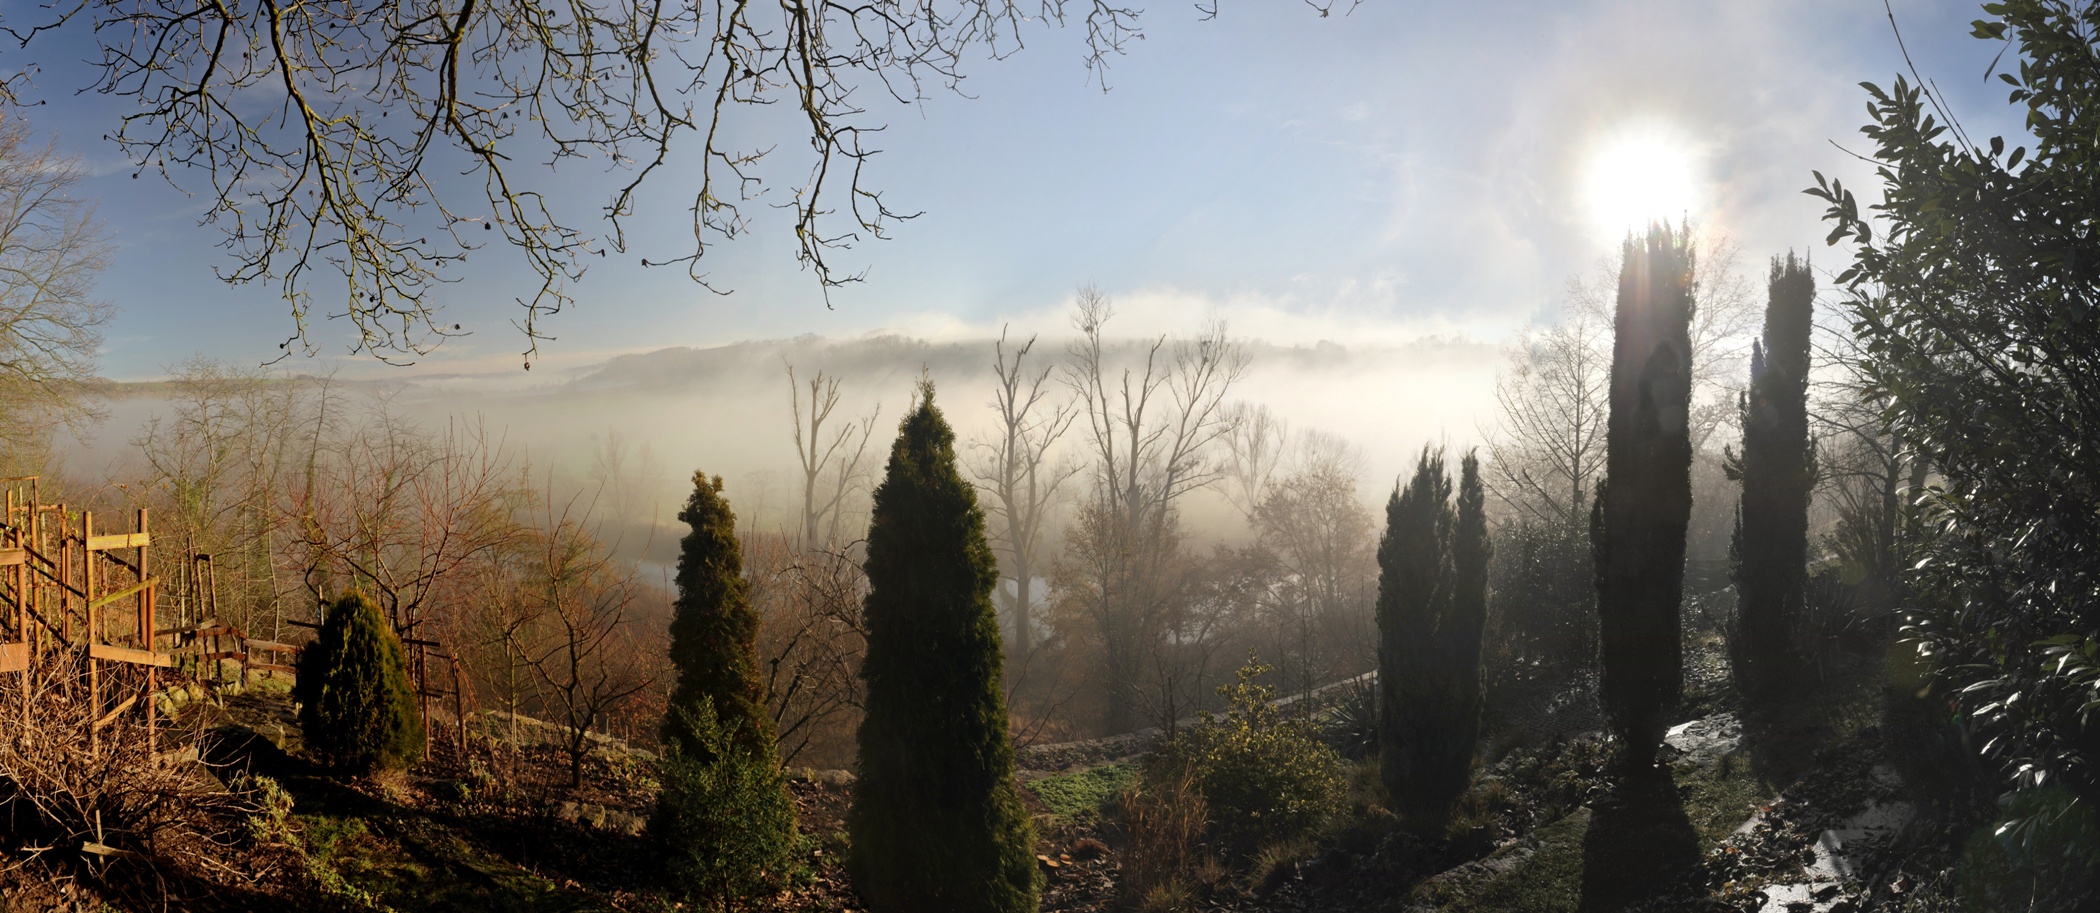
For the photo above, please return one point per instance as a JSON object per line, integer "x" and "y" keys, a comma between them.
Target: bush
{"x": 723, "y": 817}
{"x": 1264, "y": 778}
{"x": 357, "y": 707}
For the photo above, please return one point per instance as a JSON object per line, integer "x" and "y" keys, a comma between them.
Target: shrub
{"x": 723, "y": 818}
{"x": 937, "y": 822}
{"x": 358, "y": 709}
{"x": 1264, "y": 778}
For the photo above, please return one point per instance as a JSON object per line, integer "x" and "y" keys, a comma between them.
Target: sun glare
{"x": 1637, "y": 177}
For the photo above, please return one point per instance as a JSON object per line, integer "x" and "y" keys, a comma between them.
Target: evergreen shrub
{"x": 1264, "y": 778}
{"x": 724, "y": 818}
{"x": 357, "y": 706}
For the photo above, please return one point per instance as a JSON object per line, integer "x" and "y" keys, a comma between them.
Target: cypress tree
{"x": 724, "y": 819}
{"x": 1462, "y": 628}
{"x": 357, "y": 708}
{"x": 1777, "y": 469}
{"x": 1645, "y": 503}
{"x": 1415, "y": 585}
{"x": 714, "y": 631}
{"x": 936, "y": 824}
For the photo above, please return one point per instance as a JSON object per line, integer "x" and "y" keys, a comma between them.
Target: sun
{"x": 1637, "y": 176}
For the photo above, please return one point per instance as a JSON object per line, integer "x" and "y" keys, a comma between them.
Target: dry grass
{"x": 127, "y": 820}
{"x": 1164, "y": 818}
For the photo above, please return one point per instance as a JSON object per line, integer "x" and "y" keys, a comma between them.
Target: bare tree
{"x": 327, "y": 134}
{"x": 1150, "y": 431}
{"x": 573, "y": 632}
{"x": 1018, "y": 474}
{"x": 832, "y": 467}
{"x": 1256, "y": 447}
{"x": 1322, "y": 536}
{"x": 398, "y": 510}
{"x": 811, "y": 640}
{"x": 220, "y": 460}
{"x": 51, "y": 248}
{"x": 1547, "y": 452}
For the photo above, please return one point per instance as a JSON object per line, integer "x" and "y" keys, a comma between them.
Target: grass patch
{"x": 1547, "y": 881}
{"x": 1719, "y": 797}
{"x": 1084, "y": 793}
{"x": 421, "y": 868}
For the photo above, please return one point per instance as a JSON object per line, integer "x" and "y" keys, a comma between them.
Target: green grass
{"x": 1719, "y": 797}
{"x": 1084, "y": 793}
{"x": 1549, "y": 881}
{"x": 429, "y": 869}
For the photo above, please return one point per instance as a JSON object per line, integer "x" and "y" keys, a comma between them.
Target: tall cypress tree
{"x": 1777, "y": 469}
{"x": 936, "y": 824}
{"x": 1645, "y": 503}
{"x": 1462, "y": 628}
{"x": 724, "y": 820}
{"x": 1414, "y": 594}
{"x": 714, "y": 631}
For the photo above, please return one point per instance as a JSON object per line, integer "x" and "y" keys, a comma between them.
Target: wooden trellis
{"x": 70, "y": 587}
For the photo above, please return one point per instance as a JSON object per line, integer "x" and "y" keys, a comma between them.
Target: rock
{"x": 831, "y": 778}
{"x": 1705, "y": 740}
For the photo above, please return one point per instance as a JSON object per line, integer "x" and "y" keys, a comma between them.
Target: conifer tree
{"x": 1777, "y": 469}
{"x": 724, "y": 820}
{"x": 936, "y": 824}
{"x": 1461, "y": 630}
{"x": 1415, "y": 586}
{"x": 1645, "y": 503}
{"x": 357, "y": 708}
{"x": 714, "y": 631}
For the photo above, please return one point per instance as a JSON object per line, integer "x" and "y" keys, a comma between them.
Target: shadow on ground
{"x": 1639, "y": 839}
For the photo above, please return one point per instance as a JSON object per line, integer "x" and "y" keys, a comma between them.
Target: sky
{"x": 1401, "y": 172}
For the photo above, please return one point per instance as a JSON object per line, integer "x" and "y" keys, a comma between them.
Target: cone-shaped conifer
{"x": 937, "y": 825}
{"x": 714, "y": 631}
{"x": 1646, "y": 499}
{"x": 724, "y": 820}
{"x": 1415, "y": 585}
{"x": 1777, "y": 468}
{"x": 358, "y": 709}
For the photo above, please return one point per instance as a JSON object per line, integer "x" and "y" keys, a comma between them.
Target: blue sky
{"x": 1407, "y": 170}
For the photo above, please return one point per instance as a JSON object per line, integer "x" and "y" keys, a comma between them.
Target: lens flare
{"x": 1636, "y": 177}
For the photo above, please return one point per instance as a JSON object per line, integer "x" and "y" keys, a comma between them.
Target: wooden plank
{"x": 274, "y": 646}
{"x": 125, "y": 593}
{"x": 229, "y": 654}
{"x": 117, "y": 540}
{"x": 273, "y": 667}
{"x": 303, "y": 624}
{"x": 113, "y": 714}
{"x": 128, "y": 655}
{"x": 9, "y": 557}
{"x": 14, "y": 657}
{"x": 107, "y": 851}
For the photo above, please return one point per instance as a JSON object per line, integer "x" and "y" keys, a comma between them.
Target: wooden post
{"x": 146, "y": 634}
{"x": 87, "y": 581}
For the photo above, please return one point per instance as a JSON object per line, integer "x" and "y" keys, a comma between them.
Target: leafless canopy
{"x": 51, "y": 247}
{"x": 282, "y": 113}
